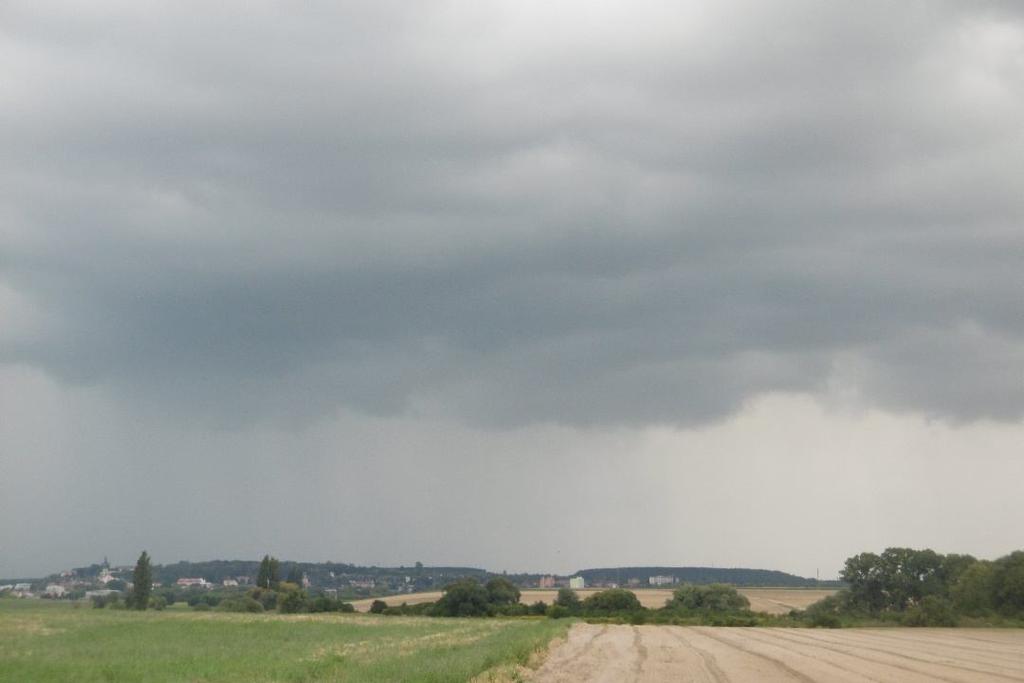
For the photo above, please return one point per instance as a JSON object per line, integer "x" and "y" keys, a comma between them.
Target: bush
{"x": 420, "y": 608}
{"x": 169, "y": 595}
{"x": 612, "y": 600}
{"x": 291, "y": 599}
{"x": 464, "y": 598}
{"x": 974, "y": 589}
{"x": 157, "y": 602}
{"x": 264, "y": 596}
{"x": 715, "y": 597}
{"x": 501, "y": 591}
{"x": 825, "y": 620}
{"x": 240, "y": 604}
{"x": 931, "y": 611}
{"x": 202, "y": 607}
{"x": 509, "y": 610}
{"x": 557, "y": 611}
{"x": 538, "y": 608}
{"x": 826, "y": 612}
{"x": 101, "y": 601}
{"x": 326, "y": 604}
{"x": 712, "y": 619}
{"x": 210, "y": 599}
{"x": 568, "y": 599}
{"x": 378, "y": 607}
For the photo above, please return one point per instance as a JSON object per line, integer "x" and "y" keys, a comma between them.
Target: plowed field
{"x": 610, "y": 654}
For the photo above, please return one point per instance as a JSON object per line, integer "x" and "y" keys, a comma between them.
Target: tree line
{"x": 925, "y": 588}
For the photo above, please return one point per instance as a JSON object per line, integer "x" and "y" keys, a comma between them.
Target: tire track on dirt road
{"x": 767, "y": 639}
{"x": 587, "y": 647}
{"x": 944, "y": 662}
{"x": 845, "y": 649}
{"x": 711, "y": 667}
{"x": 641, "y": 654}
{"x": 790, "y": 671}
{"x": 952, "y": 638}
{"x": 939, "y": 648}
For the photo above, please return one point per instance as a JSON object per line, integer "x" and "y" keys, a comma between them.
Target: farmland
{"x": 719, "y": 655}
{"x": 46, "y": 641}
{"x": 54, "y": 642}
{"x": 770, "y": 600}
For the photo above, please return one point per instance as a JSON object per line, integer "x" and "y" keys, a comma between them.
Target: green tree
{"x": 501, "y": 591}
{"x": 933, "y": 610}
{"x": 909, "y": 575}
{"x": 269, "y": 573}
{"x": 716, "y": 597}
{"x": 295, "y": 575}
{"x": 953, "y": 567}
{"x": 568, "y": 599}
{"x": 291, "y": 599}
{"x": 611, "y": 600}
{"x": 275, "y": 573}
{"x": 142, "y": 578}
{"x": 1008, "y": 583}
{"x": 378, "y": 607}
{"x": 464, "y": 598}
{"x": 897, "y": 578}
{"x": 263, "y": 576}
{"x": 864, "y": 575}
{"x": 974, "y": 589}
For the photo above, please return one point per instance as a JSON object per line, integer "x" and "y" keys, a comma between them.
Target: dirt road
{"x": 614, "y": 654}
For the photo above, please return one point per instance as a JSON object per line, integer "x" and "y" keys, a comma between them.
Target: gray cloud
{"x": 283, "y": 280}
{"x": 639, "y": 216}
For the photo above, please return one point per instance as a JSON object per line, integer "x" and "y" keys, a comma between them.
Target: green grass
{"x": 42, "y": 641}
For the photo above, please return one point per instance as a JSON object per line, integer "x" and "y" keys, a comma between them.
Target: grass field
{"x": 42, "y": 641}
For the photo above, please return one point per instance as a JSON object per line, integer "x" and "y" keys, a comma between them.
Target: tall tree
{"x": 142, "y": 577}
{"x": 275, "y": 573}
{"x": 263, "y": 578}
{"x": 269, "y": 575}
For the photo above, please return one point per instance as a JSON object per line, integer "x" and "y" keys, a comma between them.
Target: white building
{"x": 22, "y": 587}
{"x": 661, "y": 580}
{"x": 230, "y": 582}
{"x": 202, "y": 583}
{"x": 577, "y": 582}
{"x": 54, "y": 590}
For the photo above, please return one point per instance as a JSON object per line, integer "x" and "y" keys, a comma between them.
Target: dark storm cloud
{"x": 516, "y": 213}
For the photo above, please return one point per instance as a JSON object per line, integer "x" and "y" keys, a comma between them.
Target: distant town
{"x": 348, "y": 581}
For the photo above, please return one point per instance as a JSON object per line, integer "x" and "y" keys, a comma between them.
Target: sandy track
{"x": 607, "y": 653}
{"x": 770, "y": 600}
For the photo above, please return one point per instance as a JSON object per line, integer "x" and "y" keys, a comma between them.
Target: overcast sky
{"x": 520, "y": 285}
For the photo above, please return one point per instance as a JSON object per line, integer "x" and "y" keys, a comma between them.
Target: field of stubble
{"x": 658, "y": 654}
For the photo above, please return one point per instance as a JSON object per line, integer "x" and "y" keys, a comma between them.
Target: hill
{"x": 736, "y": 576}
